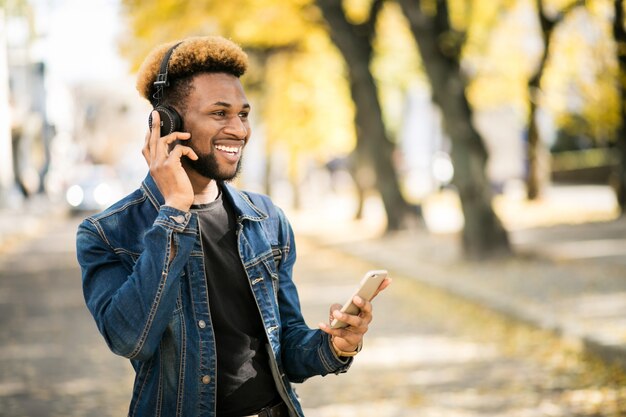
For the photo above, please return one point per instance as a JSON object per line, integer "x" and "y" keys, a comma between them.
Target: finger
{"x": 343, "y": 333}
{"x": 365, "y": 307}
{"x": 145, "y": 151}
{"x": 155, "y": 133}
{"x": 179, "y": 150}
{"x": 351, "y": 320}
{"x": 164, "y": 143}
{"x": 326, "y": 328}
{"x": 347, "y": 336}
{"x": 173, "y": 137}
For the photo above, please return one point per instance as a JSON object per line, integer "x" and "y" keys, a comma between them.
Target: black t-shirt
{"x": 244, "y": 379}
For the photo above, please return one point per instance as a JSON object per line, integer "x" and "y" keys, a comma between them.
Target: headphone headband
{"x": 161, "y": 79}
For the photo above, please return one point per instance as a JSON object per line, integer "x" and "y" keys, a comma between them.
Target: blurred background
{"x": 476, "y": 149}
{"x": 436, "y": 113}
{"x": 400, "y": 106}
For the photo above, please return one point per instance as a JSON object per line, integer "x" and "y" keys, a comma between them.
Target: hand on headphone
{"x": 165, "y": 165}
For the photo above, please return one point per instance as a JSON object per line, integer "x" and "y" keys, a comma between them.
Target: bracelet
{"x": 340, "y": 352}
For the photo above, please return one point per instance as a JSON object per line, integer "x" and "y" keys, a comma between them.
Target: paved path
{"x": 53, "y": 361}
{"x": 428, "y": 354}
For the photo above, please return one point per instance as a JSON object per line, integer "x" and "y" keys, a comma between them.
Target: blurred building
{"x": 72, "y": 99}
{"x": 30, "y": 130}
{"x": 6, "y": 161}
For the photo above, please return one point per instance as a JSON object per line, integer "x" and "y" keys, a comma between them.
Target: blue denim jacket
{"x": 144, "y": 283}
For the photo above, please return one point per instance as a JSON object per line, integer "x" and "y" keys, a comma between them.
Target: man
{"x": 191, "y": 279}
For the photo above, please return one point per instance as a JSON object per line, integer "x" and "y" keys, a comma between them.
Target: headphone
{"x": 171, "y": 121}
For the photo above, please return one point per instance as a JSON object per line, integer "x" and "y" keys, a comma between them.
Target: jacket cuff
{"x": 334, "y": 363}
{"x": 175, "y": 219}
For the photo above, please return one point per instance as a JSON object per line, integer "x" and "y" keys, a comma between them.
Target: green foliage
{"x": 503, "y": 48}
{"x": 396, "y": 65}
{"x": 500, "y": 56}
{"x": 306, "y": 105}
{"x": 580, "y": 81}
{"x": 312, "y": 112}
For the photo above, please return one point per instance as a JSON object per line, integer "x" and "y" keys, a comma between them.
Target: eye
{"x": 244, "y": 115}
{"x": 220, "y": 113}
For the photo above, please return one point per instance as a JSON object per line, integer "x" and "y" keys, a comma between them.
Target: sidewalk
{"x": 569, "y": 279}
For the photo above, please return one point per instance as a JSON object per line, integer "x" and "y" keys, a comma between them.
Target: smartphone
{"x": 367, "y": 288}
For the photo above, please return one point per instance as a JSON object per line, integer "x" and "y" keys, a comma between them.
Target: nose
{"x": 237, "y": 127}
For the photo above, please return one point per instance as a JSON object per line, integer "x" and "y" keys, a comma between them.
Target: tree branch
{"x": 351, "y": 39}
{"x": 547, "y": 23}
{"x": 370, "y": 25}
{"x": 618, "y": 22}
{"x": 442, "y": 18}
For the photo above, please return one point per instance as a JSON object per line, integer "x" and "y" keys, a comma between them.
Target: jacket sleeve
{"x": 306, "y": 352}
{"x": 132, "y": 308}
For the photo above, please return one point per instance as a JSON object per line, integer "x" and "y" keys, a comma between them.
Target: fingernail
{"x": 337, "y": 314}
{"x": 358, "y": 299}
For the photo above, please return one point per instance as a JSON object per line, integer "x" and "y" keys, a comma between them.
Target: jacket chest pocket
{"x": 267, "y": 272}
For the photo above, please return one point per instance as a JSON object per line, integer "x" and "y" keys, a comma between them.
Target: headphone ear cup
{"x": 170, "y": 120}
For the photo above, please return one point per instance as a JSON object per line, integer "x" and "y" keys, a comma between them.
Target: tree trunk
{"x": 533, "y": 183}
{"x": 533, "y": 177}
{"x": 619, "y": 176}
{"x": 483, "y": 234}
{"x": 373, "y": 145}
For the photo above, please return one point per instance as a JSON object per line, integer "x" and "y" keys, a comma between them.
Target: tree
{"x": 292, "y": 27}
{"x": 373, "y": 148}
{"x": 440, "y": 46}
{"x": 548, "y": 23}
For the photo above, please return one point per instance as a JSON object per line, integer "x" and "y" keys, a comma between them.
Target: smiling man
{"x": 190, "y": 278}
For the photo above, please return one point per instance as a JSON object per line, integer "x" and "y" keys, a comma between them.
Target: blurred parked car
{"x": 93, "y": 188}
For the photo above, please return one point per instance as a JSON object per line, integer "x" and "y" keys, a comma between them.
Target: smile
{"x": 233, "y": 150}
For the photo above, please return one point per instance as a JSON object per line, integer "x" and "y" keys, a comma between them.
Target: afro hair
{"x": 193, "y": 55}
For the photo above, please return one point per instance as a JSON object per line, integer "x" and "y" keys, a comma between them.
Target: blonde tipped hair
{"x": 193, "y": 55}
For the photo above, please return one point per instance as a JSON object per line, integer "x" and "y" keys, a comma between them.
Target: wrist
{"x": 178, "y": 204}
{"x": 348, "y": 352}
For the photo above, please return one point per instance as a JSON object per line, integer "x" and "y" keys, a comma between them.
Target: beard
{"x": 207, "y": 166}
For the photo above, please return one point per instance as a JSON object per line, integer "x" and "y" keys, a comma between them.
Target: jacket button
{"x": 206, "y": 379}
{"x": 180, "y": 219}
{"x": 202, "y": 324}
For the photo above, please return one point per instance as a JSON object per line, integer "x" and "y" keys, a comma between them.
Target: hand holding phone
{"x": 367, "y": 288}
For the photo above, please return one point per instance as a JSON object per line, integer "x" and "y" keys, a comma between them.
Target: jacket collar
{"x": 244, "y": 208}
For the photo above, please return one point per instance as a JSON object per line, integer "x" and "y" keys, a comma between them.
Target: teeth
{"x": 230, "y": 149}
